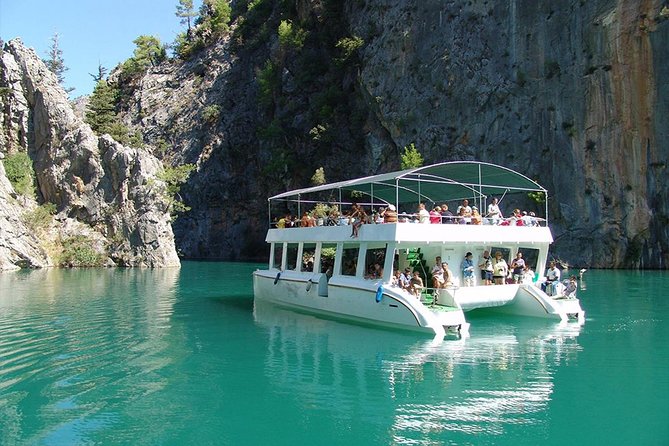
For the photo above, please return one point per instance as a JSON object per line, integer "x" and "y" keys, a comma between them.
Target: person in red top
{"x": 435, "y": 215}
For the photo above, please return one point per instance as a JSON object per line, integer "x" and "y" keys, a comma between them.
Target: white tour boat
{"x": 321, "y": 267}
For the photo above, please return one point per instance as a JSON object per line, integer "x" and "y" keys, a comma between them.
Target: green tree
{"x": 148, "y": 52}
{"x": 215, "y": 15}
{"x": 174, "y": 177}
{"x": 101, "y": 110}
{"x": 319, "y": 177}
{"x": 20, "y": 173}
{"x": 100, "y": 75}
{"x": 411, "y": 157}
{"x": 186, "y": 11}
{"x": 291, "y": 36}
{"x": 55, "y": 62}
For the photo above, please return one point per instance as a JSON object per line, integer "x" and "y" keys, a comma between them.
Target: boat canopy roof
{"x": 456, "y": 180}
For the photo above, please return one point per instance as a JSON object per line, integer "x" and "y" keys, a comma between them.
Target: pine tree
{"x": 101, "y": 112}
{"x": 55, "y": 61}
{"x": 186, "y": 12}
{"x": 101, "y": 74}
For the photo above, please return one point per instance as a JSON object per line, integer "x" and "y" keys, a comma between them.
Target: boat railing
{"x": 534, "y": 222}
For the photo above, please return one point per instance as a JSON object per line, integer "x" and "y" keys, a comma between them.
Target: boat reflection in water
{"x": 416, "y": 389}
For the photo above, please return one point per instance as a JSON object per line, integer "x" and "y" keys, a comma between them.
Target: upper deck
{"x": 415, "y": 233}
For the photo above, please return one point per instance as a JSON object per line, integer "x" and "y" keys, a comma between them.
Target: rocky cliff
{"x": 569, "y": 93}
{"x": 104, "y": 194}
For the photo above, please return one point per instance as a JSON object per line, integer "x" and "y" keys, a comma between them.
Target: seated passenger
{"x": 390, "y": 214}
{"x": 476, "y": 217}
{"x": 435, "y": 215}
{"x": 437, "y": 274}
{"x": 405, "y": 279}
{"x": 570, "y": 289}
{"x": 446, "y": 215}
{"x": 416, "y": 286}
{"x": 466, "y": 208}
{"x": 528, "y": 275}
{"x": 448, "y": 275}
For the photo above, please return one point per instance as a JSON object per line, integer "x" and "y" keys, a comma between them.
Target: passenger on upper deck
{"x": 307, "y": 220}
{"x": 390, "y": 214}
{"x": 494, "y": 213}
{"x": 435, "y": 215}
{"x": 467, "y": 209}
{"x": 333, "y": 216}
{"x": 358, "y": 217}
{"x": 281, "y": 224}
{"x": 476, "y": 217}
{"x": 423, "y": 214}
{"x": 446, "y": 215}
{"x": 461, "y": 218}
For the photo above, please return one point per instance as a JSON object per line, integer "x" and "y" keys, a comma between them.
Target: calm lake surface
{"x": 182, "y": 356}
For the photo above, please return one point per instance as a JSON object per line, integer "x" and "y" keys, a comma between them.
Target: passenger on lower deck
{"x": 467, "y": 268}
{"x": 416, "y": 284}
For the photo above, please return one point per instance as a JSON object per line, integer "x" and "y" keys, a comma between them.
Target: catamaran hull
{"x": 352, "y": 300}
{"x": 520, "y": 300}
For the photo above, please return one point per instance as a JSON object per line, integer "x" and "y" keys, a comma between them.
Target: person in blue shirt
{"x": 467, "y": 268}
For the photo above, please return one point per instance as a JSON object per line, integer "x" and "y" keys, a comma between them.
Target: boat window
{"x": 349, "y": 261}
{"x": 278, "y": 254}
{"x": 291, "y": 256}
{"x": 328, "y": 251}
{"x": 531, "y": 257}
{"x": 373, "y": 257}
{"x": 308, "y": 257}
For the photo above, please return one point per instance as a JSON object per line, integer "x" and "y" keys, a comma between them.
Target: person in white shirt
{"x": 494, "y": 213}
{"x": 423, "y": 214}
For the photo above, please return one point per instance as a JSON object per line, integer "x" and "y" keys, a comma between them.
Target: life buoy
{"x": 379, "y": 293}
{"x": 277, "y": 277}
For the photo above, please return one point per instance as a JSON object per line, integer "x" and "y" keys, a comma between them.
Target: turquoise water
{"x": 182, "y": 357}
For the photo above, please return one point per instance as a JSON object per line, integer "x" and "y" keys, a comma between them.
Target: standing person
{"x": 552, "y": 277}
{"x": 423, "y": 214}
{"x": 437, "y": 274}
{"x": 486, "y": 268}
{"x": 467, "y": 268}
{"x": 518, "y": 266}
{"x": 494, "y": 213}
{"x": 500, "y": 269}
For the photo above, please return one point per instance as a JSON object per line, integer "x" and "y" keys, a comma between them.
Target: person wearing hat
{"x": 467, "y": 268}
{"x": 390, "y": 214}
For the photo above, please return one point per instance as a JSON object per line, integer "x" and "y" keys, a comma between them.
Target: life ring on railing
{"x": 276, "y": 279}
{"x": 379, "y": 293}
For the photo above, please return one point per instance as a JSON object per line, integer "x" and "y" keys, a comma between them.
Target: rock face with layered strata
{"x": 111, "y": 190}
